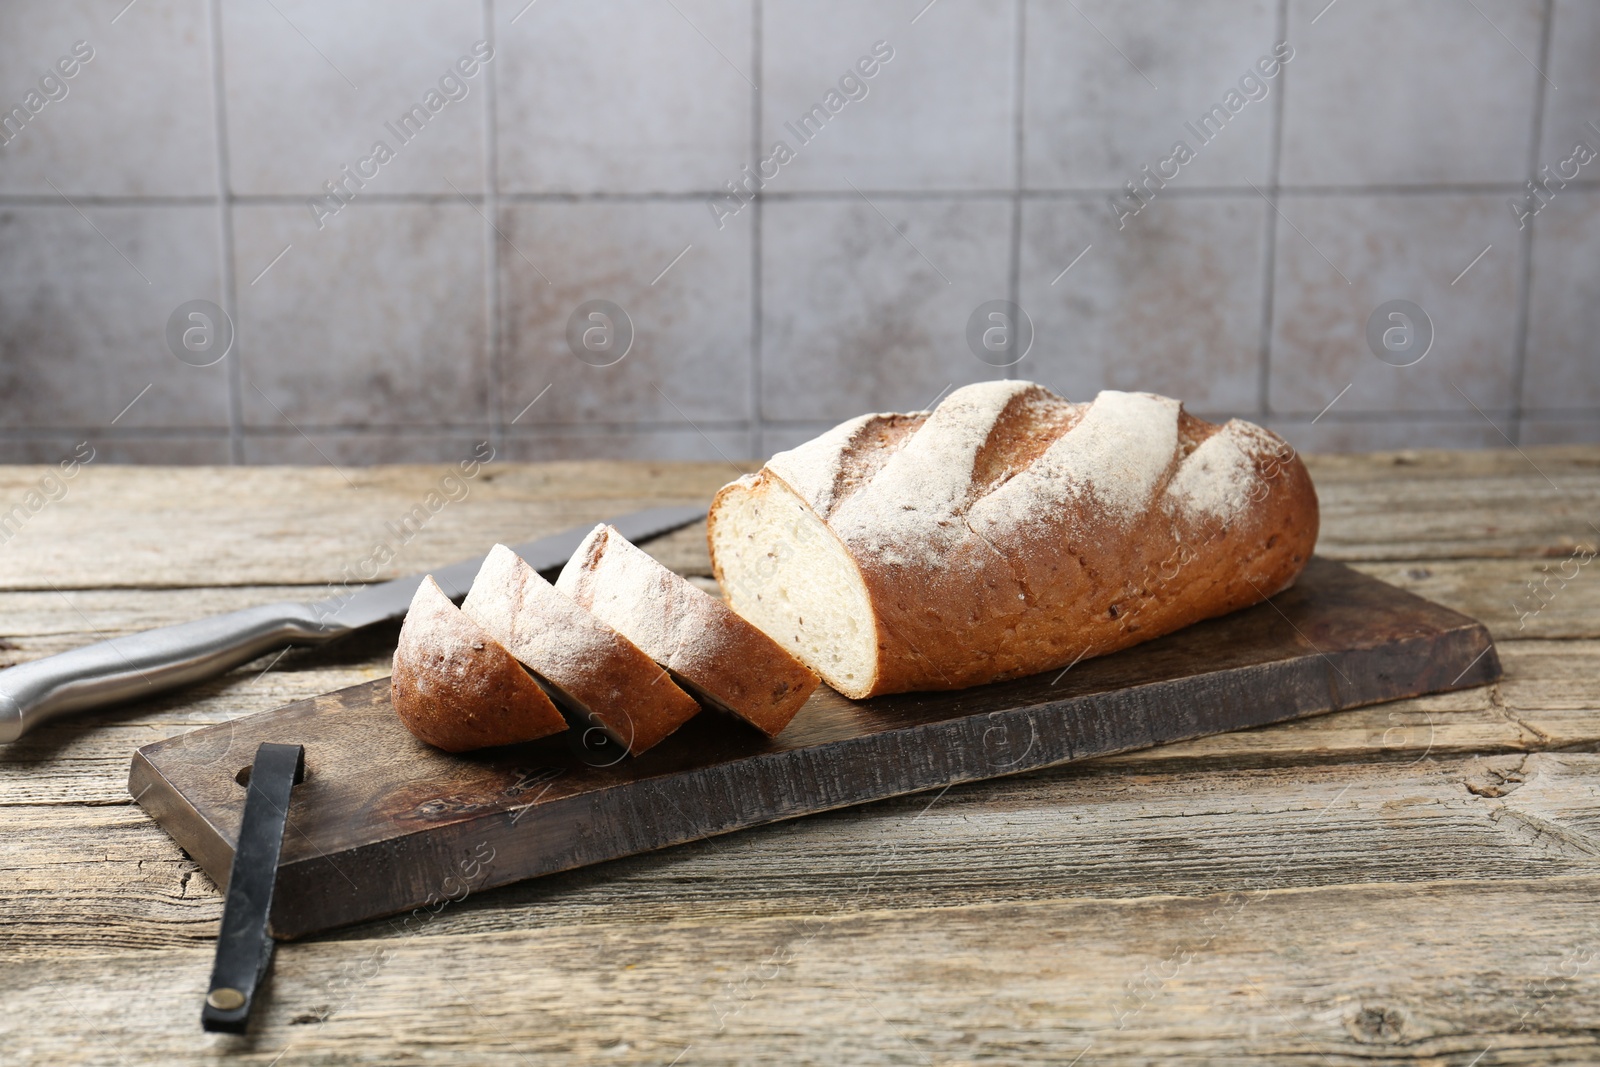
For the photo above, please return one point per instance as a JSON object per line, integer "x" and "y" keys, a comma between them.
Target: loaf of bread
{"x": 601, "y": 675}
{"x": 457, "y": 688}
{"x": 709, "y": 650}
{"x": 1005, "y": 533}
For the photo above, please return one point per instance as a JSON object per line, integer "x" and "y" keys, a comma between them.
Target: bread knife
{"x": 144, "y": 664}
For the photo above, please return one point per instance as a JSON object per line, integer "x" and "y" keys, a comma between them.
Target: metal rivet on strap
{"x": 225, "y": 998}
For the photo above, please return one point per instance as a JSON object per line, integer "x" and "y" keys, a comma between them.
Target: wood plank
{"x": 116, "y": 526}
{"x": 98, "y": 879}
{"x": 1399, "y": 468}
{"x": 1550, "y": 699}
{"x": 1431, "y": 518}
{"x": 1455, "y": 971}
{"x": 384, "y": 813}
{"x": 206, "y": 526}
{"x": 1514, "y": 598}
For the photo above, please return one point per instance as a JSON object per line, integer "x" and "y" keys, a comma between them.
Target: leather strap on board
{"x": 244, "y": 947}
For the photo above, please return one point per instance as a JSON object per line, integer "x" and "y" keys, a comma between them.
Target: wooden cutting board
{"x": 384, "y": 824}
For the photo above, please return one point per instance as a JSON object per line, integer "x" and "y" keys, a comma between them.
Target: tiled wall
{"x": 980, "y": 161}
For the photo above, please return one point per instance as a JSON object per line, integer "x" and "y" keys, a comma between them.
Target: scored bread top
{"x": 999, "y": 455}
{"x": 457, "y": 688}
{"x": 592, "y": 667}
{"x": 706, "y": 646}
{"x": 1010, "y": 528}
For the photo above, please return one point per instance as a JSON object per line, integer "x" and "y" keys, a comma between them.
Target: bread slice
{"x": 457, "y": 688}
{"x": 709, "y": 650}
{"x": 1007, "y": 532}
{"x": 595, "y": 671}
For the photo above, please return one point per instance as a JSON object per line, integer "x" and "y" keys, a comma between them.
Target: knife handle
{"x": 144, "y": 664}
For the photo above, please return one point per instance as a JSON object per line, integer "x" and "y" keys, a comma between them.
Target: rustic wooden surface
{"x": 383, "y": 824}
{"x": 1408, "y": 883}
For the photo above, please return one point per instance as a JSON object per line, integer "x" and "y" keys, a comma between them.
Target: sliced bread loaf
{"x": 457, "y": 688}
{"x": 710, "y": 650}
{"x": 595, "y": 671}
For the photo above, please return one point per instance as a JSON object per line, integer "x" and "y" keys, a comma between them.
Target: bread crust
{"x": 1012, "y": 532}
{"x": 457, "y": 688}
{"x": 596, "y": 671}
{"x": 707, "y": 647}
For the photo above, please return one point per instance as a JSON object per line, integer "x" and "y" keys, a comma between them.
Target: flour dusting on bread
{"x": 709, "y": 650}
{"x": 828, "y": 468}
{"x": 457, "y": 688}
{"x": 1219, "y": 477}
{"x": 1007, "y": 532}
{"x": 1109, "y": 463}
{"x": 911, "y": 511}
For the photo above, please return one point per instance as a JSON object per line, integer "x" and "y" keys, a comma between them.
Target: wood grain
{"x": 1444, "y": 972}
{"x": 205, "y": 526}
{"x": 383, "y": 822}
{"x": 1418, "y": 922}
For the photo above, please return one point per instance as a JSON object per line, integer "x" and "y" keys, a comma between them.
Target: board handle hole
{"x": 243, "y": 777}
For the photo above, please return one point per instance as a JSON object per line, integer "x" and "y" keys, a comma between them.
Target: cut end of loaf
{"x": 785, "y": 571}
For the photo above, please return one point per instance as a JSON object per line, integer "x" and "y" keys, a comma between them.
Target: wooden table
{"x": 1415, "y": 882}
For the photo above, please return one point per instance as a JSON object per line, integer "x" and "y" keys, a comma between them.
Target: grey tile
{"x": 136, "y": 119}
{"x": 1171, "y": 303}
{"x": 83, "y": 316}
{"x": 361, "y": 449}
{"x": 1420, "y": 92}
{"x": 1573, "y": 113}
{"x": 623, "y": 95}
{"x": 712, "y": 446}
{"x": 378, "y": 320}
{"x": 780, "y": 438}
{"x": 1566, "y": 431}
{"x": 857, "y": 317}
{"x": 937, "y": 114}
{"x": 186, "y": 451}
{"x": 690, "y": 355}
{"x": 355, "y": 73}
{"x": 1389, "y": 435}
{"x": 1110, "y": 87}
{"x": 1563, "y": 369}
{"x": 1340, "y": 259}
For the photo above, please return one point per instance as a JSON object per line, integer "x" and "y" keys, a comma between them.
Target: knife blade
{"x": 155, "y": 661}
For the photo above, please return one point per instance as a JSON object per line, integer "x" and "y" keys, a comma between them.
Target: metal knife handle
{"x": 144, "y": 664}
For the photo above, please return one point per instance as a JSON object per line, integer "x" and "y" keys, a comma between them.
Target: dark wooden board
{"x": 385, "y": 824}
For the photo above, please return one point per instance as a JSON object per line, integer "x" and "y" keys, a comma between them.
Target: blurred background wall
{"x": 402, "y": 304}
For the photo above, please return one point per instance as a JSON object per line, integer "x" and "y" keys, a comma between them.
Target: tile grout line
{"x": 1269, "y": 255}
{"x": 228, "y": 282}
{"x": 439, "y": 430}
{"x": 492, "y": 299}
{"x": 1018, "y": 104}
{"x": 1089, "y": 193}
{"x": 758, "y": 429}
{"x": 1519, "y": 352}
{"x": 1575, "y": 415}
